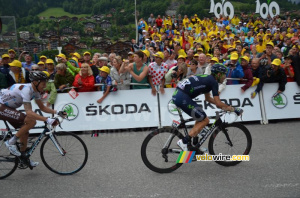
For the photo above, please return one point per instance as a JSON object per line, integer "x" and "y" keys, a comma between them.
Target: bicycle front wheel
{"x": 75, "y": 153}
{"x": 234, "y": 139}
{"x": 160, "y": 151}
{"x": 8, "y": 162}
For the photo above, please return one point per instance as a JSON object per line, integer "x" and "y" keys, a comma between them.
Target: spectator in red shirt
{"x": 159, "y": 22}
{"x": 222, "y": 48}
{"x": 84, "y": 80}
{"x": 248, "y": 78}
{"x": 288, "y": 69}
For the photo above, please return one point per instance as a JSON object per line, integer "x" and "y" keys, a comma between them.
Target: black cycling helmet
{"x": 38, "y": 76}
{"x": 218, "y": 68}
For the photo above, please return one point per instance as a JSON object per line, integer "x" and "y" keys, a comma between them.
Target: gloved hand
{"x": 253, "y": 94}
{"x": 52, "y": 122}
{"x": 238, "y": 111}
{"x": 62, "y": 114}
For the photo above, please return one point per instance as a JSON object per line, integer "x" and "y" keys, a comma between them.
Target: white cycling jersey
{"x": 17, "y": 94}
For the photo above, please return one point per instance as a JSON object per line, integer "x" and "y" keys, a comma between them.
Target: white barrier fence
{"x": 285, "y": 105}
{"x": 139, "y": 108}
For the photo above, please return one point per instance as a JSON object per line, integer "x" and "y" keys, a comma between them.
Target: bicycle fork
{"x": 57, "y": 145}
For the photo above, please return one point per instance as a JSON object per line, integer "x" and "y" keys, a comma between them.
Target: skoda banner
{"x": 283, "y": 105}
{"x": 119, "y": 110}
{"x": 232, "y": 95}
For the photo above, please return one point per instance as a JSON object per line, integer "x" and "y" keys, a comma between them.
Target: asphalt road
{"x": 115, "y": 169}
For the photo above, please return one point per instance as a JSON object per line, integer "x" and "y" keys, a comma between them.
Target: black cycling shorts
{"x": 13, "y": 116}
{"x": 190, "y": 107}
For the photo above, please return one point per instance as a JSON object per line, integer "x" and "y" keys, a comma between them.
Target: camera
{"x": 270, "y": 71}
{"x": 231, "y": 65}
{"x": 174, "y": 75}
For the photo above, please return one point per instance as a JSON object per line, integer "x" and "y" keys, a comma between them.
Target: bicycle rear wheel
{"x": 239, "y": 142}
{"x": 160, "y": 151}
{"x": 74, "y": 149}
{"x": 8, "y": 162}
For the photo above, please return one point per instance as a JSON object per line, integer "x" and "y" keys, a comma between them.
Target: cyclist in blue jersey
{"x": 190, "y": 88}
{"x": 22, "y": 94}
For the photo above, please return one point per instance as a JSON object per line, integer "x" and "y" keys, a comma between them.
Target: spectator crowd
{"x": 169, "y": 49}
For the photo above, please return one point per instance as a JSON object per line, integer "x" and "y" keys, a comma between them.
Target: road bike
{"x": 160, "y": 152}
{"x": 63, "y": 153}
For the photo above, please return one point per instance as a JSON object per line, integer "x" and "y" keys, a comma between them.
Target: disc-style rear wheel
{"x": 160, "y": 151}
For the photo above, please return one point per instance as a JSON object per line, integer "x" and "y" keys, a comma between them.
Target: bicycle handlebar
{"x": 59, "y": 119}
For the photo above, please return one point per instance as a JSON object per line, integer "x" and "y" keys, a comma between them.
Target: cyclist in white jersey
{"x": 22, "y": 94}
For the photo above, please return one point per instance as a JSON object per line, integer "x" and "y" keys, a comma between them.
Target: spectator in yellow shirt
{"x": 168, "y": 20}
{"x": 155, "y": 33}
{"x": 278, "y": 33}
{"x": 291, "y": 33}
{"x": 235, "y": 20}
{"x": 163, "y": 29}
{"x": 178, "y": 38}
{"x": 185, "y": 21}
{"x": 261, "y": 33}
{"x": 250, "y": 23}
{"x": 212, "y": 32}
{"x": 231, "y": 44}
{"x": 260, "y": 47}
{"x": 257, "y": 22}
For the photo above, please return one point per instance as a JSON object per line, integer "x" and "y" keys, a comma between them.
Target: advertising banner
{"x": 120, "y": 110}
{"x": 232, "y": 95}
{"x": 284, "y": 105}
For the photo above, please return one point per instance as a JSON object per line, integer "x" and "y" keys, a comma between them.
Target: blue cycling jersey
{"x": 199, "y": 84}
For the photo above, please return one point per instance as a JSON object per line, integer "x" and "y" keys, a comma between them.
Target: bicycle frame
{"x": 42, "y": 135}
{"x": 217, "y": 124}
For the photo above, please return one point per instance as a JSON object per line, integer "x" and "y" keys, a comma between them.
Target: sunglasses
{"x": 35, "y": 70}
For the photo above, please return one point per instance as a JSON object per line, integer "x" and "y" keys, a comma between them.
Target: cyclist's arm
{"x": 31, "y": 114}
{"x": 216, "y": 100}
{"x": 44, "y": 108}
{"x": 222, "y": 105}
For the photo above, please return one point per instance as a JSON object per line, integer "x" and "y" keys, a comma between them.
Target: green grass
{"x": 58, "y": 12}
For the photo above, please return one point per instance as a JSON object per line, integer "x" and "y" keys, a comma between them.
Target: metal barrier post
{"x": 262, "y": 108}
{"x": 157, "y": 87}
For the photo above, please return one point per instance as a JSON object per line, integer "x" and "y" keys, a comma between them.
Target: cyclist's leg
{"x": 191, "y": 108}
{"x": 16, "y": 119}
{"x": 199, "y": 125}
{"x": 23, "y": 133}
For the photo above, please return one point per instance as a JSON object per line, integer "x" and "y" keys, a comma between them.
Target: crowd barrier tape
{"x": 138, "y": 108}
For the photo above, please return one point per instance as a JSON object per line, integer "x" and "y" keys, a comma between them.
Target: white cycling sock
{"x": 13, "y": 140}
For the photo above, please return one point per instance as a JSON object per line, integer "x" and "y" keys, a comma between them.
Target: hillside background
{"x": 95, "y": 24}
{"x": 27, "y": 12}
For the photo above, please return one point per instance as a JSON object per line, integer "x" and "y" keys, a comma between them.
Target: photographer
{"x": 235, "y": 70}
{"x": 271, "y": 74}
{"x": 267, "y": 57}
{"x": 175, "y": 74}
{"x": 28, "y": 60}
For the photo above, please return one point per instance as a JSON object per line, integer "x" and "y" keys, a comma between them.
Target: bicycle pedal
{"x": 22, "y": 164}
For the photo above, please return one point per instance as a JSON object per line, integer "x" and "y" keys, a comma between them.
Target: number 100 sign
{"x": 226, "y": 9}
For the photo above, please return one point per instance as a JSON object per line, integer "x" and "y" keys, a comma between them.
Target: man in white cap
{"x": 245, "y": 29}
